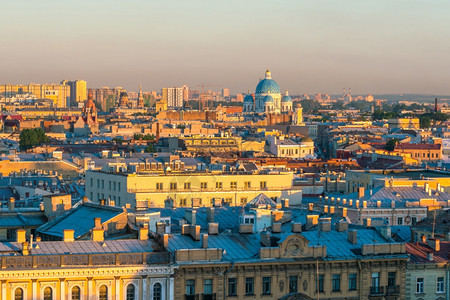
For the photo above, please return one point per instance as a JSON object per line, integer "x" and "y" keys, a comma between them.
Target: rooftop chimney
{"x": 25, "y": 248}
{"x": 325, "y": 224}
{"x": 296, "y": 227}
{"x": 165, "y": 240}
{"x": 285, "y": 203}
{"x": 85, "y": 199}
{"x": 426, "y": 187}
{"x": 352, "y": 236}
{"x": 213, "y": 228}
{"x": 160, "y": 228}
{"x": 102, "y": 201}
{"x": 424, "y": 238}
{"x": 367, "y": 222}
{"x": 311, "y": 206}
{"x": 205, "y": 241}
{"x": 276, "y": 227}
{"x": 21, "y": 236}
{"x": 98, "y": 235}
{"x": 12, "y": 203}
{"x": 361, "y": 192}
{"x": 435, "y": 244}
{"x": 97, "y": 223}
{"x": 190, "y": 216}
{"x": 312, "y": 220}
{"x": 195, "y": 232}
{"x": 68, "y": 235}
{"x": 210, "y": 214}
{"x": 342, "y": 226}
{"x": 265, "y": 239}
{"x": 143, "y": 233}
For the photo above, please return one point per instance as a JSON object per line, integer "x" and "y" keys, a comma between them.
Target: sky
{"x": 310, "y": 46}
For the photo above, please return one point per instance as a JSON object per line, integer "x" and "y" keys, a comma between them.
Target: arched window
{"x": 76, "y": 293}
{"x": 18, "y": 294}
{"x": 130, "y": 292}
{"x": 48, "y": 293}
{"x": 157, "y": 291}
{"x": 103, "y": 293}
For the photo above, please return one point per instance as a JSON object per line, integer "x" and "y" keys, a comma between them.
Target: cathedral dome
{"x": 248, "y": 99}
{"x": 267, "y": 85}
{"x": 268, "y": 98}
{"x": 286, "y": 98}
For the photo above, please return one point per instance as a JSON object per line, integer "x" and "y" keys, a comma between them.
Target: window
{"x": 103, "y": 184}
{"x": 232, "y": 287}
{"x": 208, "y": 287}
{"x": 109, "y": 184}
{"x": 130, "y": 292}
{"x": 76, "y": 293}
{"x": 414, "y": 220}
{"x": 319, "y": 283}
{"x": 293, "y": 284}
{"x": 219, "y": 185}
{"x": 243, "y": 201}
{"x": 440, "y": 285}
{"x": 114, "y": 185}
{"x": 399, "y": 221}
{"x": 92, "y": 182}
{"x": 203, "y": 185}
{"x": 249, "y": 284}
{"x": 190, "y": 287}
{"x": 247, "y": 184}
{"x": 159, "y": 186}
{"x": 18, "y": 294}
{"x": 419, "y": 285}
{"x": 187, "y": 185}
{"x": 157, "y": 291}
{"x": 233, "y": 185}
{"x": 375, "y": 282}
{"x": 173, "y": 186}
{"x": 336, "y": 282}
{"x": 263, "y": 184}
{"x": 352, "y": 282}
{"x": 266, "y": 285}
{"x": 48, "y": 293}
{"x": 391, "y": 278}
{"x": 98, "y": 183}
{"x": 118, "y": 186}
{"x": 103, "y": 293}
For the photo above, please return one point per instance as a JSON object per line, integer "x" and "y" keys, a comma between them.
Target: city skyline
{"x": 310, "y": 47}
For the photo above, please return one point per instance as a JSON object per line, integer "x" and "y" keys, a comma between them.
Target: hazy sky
{"x": 311, "y": 46}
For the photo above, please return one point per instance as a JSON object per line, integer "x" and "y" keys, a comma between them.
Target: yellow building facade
{"x": 58, "y": 93}
{"x": 188, "y": 189}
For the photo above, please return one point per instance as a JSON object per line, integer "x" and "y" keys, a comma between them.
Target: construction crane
{"x": 203, "y": 101}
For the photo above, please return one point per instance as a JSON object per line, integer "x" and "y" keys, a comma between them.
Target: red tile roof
{"x": 419, "y": 252}
{"x": 408, "y": 146}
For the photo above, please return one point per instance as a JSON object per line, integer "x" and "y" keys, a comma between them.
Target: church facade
{"x": 267, "y": 98}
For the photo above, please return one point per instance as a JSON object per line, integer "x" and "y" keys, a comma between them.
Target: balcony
{"x": 392, "y": 290}
{"x": 209, "y": 296}
{"x": 376, "y": 290}
{"x": 192, "y": 297}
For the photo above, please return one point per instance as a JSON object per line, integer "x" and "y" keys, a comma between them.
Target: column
{"x": 117, "y": 281}
{"x": 90, "y": 295}
{"x": 62, "y": 285}
{"x": 144, "y": 287}
{"x": 171, "y": 289}
{"x": 34, "y": 288}
{"x": 3, "y": 290}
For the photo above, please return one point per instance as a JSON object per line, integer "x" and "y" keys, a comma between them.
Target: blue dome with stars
{"x": 286, "y": 98}
{"x": 268, "y": 98}
{"x": 248, "y": 99}
{"x": 267, "y": 85}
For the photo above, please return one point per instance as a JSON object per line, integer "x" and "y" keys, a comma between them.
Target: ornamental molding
{"x": 103, "y": 272}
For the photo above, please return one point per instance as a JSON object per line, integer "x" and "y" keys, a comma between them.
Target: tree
{"x": 30, "y": 138}
{"x": 425, "y": 121}
{"x": 390, "y": 145}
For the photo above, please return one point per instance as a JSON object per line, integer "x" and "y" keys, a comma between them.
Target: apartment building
{"x": 146, "y": 188}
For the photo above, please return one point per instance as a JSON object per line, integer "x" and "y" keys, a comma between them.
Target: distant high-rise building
{"x": 173, "y": 97}
{"x": 225, "y": 93}
{"x": 239, "y": 98}
{"x": 78, "y": 92}
{"x": 185, "y": 92}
